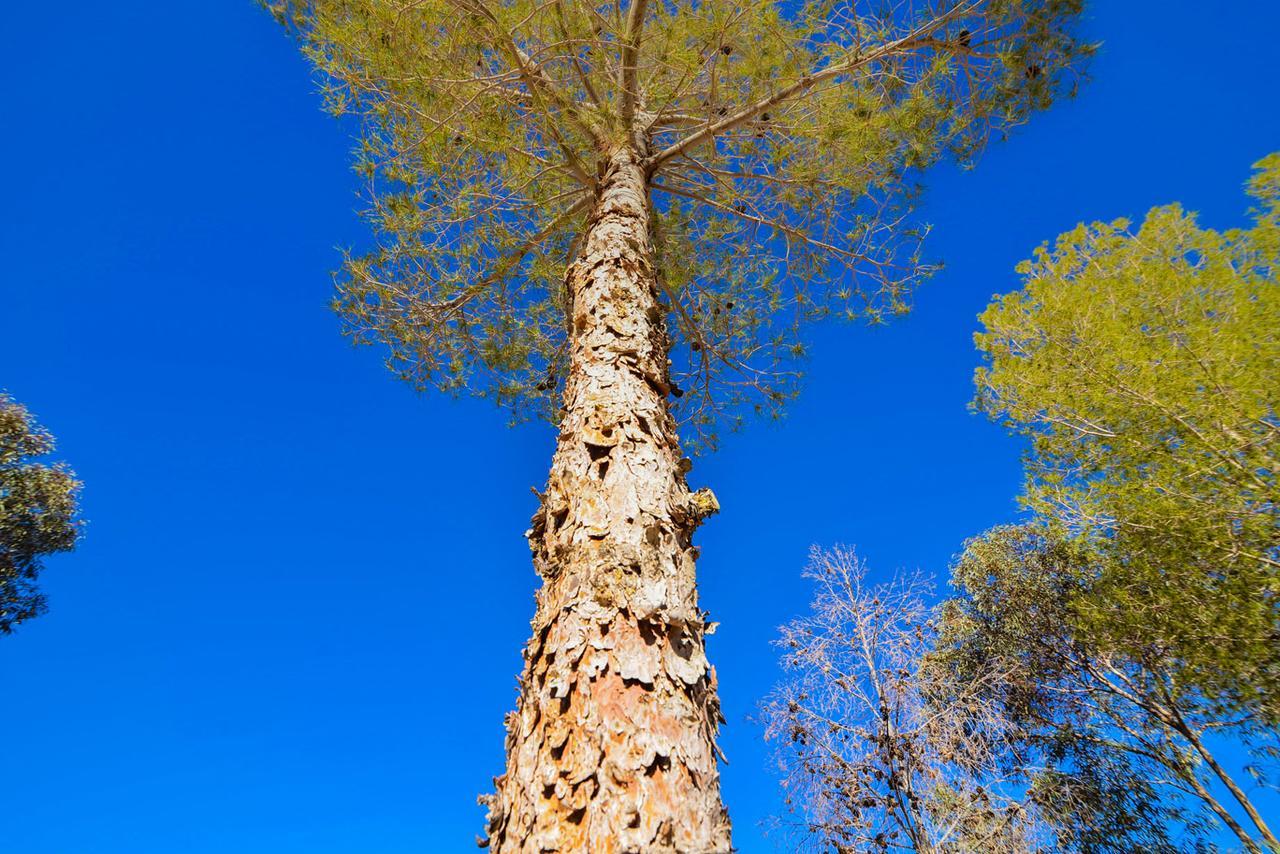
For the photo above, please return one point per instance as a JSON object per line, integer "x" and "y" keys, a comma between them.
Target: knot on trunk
{"x": 701, "y": 504}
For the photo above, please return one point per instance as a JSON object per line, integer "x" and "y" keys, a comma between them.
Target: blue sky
{"x": 295, "y": 620}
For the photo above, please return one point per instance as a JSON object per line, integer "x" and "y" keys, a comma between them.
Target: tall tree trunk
{"x": 612, "y": 744}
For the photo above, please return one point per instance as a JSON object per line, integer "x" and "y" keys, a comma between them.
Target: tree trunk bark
{"x": 611, "y": 747}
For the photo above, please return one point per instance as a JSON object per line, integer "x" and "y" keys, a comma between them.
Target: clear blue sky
{"x": 296, "y": 617}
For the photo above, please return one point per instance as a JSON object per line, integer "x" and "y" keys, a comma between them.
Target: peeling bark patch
{"x": 611, "y": 747}
{"x": 558, "y": 518}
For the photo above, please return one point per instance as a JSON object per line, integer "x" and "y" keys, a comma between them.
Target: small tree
{"x": 37, "y": 512}
{"x": 589, "y": 211}
{"x": 1126, "y": 748}
{"x": 869, "y": 757}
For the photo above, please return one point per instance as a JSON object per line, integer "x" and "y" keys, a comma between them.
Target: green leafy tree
{"x": 38, "y": 503}
{"x": 1119, "y": 753}
{"x": 614, "y": 215}
{"x": 1145, "y": 366}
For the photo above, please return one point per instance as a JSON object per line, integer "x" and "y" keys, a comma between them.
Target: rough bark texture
{"x": 612, "y": 744}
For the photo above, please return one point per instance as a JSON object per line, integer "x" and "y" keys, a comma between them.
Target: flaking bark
{"x": 612, "y": 745}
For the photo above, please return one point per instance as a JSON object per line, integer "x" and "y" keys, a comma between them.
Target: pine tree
{"x": 1144, "y": 365}
{"x": 616, "y": 216}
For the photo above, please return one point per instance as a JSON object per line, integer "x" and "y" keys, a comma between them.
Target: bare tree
{"x": 869, "y": 761}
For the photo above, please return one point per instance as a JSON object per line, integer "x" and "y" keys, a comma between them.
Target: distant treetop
{"x": 38, "y": 503}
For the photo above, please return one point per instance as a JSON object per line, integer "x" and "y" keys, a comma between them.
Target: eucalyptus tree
{"x": 38, "y": 505}
{"x": 617, "y": 216}
{"x": 1122, "y": 753}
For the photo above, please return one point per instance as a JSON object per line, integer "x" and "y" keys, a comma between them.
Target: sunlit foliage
{"x": 782, "y": 143}
{"x": 1145, "y": 366}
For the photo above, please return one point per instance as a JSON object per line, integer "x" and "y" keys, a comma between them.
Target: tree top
{"x": 782, "y": 144}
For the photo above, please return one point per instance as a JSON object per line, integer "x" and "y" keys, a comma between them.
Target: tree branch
{"x": 916, "y": 38}
{"x": 533, "y": 75}
{"x": 627, "y": 74}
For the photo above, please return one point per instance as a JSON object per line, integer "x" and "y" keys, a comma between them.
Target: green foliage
{"x": 1093, "y": 760}
{"x": 37, "y": 512}
{"x": 1138, "y": 615}
{"x": 782, "y": 141}
{"x": 1145, "y": 367}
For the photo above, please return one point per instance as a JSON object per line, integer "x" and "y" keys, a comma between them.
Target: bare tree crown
{"x": 779, "y": 143}
{"x": 870, "y": 762}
